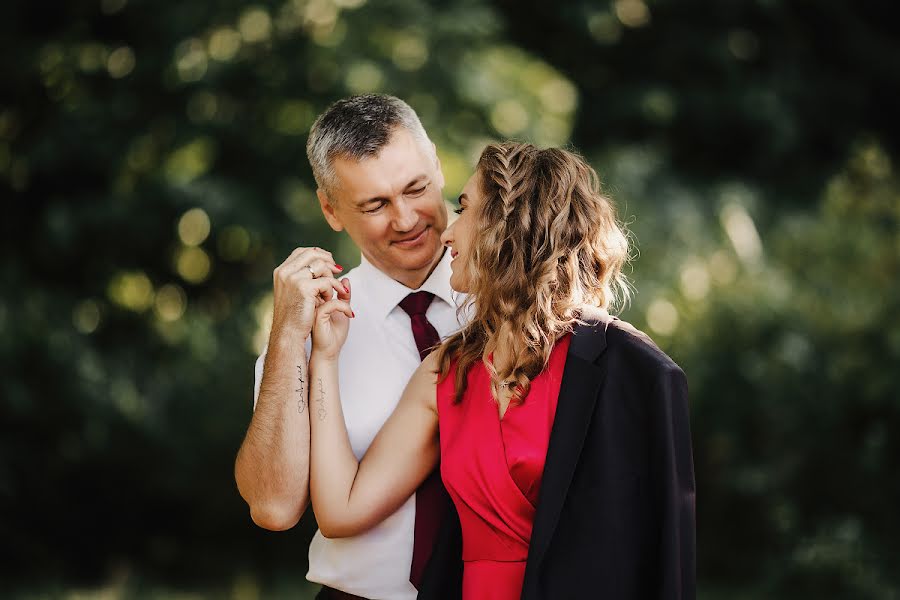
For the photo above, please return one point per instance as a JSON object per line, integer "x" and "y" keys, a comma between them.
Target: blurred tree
{"x": 770, "y": 91}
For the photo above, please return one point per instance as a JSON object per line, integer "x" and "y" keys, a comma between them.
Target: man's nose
{"x": 405, "y": 217}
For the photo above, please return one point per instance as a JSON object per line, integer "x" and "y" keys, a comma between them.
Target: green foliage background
{"x": 153, "y": 174}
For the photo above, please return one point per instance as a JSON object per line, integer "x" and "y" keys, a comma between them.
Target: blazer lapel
{"x": 577, "y": 397}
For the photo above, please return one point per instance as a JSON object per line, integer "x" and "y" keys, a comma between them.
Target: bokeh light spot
{"x": 190, "y": 161}
{"x": 632, "y": 13}
{"x": 224, "y": 43}
{"x": 193, "y": 227}
{"x": 190, "y": 60}
{"x": 92, "y": 57}
{"x": 742, "y": 232}
{"x": 120, "y": 62}
{"x": 722, "y": 267}
{"x": 605, "y": 28}
{"x": 86, "y": 316}
{"x": 131, "y": 290}
{"x": 662, "y": 317}
{"x": 410, "y": 53}
{"x": 255, "y": 24}
{"x": 558, "y": 96}
{"x": 193, "y": 264}
{"x": 363, "y": 77}
{"x": 509, "y": 117}
{"x": 171, "y": 302}
{"x": 293, "y": 117}
{"x": 694, "y": 279}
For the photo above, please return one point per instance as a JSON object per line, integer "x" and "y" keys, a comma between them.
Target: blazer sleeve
{"x": 672, "y": 477}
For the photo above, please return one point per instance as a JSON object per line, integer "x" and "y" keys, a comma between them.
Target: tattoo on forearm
{"x": 321, "y": 401}
{"x": 301, "y": 401}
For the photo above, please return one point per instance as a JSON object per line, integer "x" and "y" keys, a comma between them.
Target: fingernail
{"x": 340, "y": 268}
{"x": 346, "y": 289}
{"x": 352, "y": 314}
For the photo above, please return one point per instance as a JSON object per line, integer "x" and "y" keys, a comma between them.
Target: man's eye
{"x": 417, "y": 192}
{"x": 376, "y": 208}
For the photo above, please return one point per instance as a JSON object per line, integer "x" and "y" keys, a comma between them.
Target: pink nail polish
{"x": 340, "y": 268}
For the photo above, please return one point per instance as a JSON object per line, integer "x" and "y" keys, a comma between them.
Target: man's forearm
{"x": 272, "y": 466}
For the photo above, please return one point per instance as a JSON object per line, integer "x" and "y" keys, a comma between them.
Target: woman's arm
{"x": 350, "y": 497}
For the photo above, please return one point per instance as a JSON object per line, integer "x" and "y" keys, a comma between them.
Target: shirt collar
{"x": 383, "y": 293}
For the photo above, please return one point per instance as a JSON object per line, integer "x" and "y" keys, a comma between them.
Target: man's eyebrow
{"x": 417, "y": 179}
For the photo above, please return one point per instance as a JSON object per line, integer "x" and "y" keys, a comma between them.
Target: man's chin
{"x": 418, "y": 257}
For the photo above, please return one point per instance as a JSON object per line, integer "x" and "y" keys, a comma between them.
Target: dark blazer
{"x": 615, "y": 517}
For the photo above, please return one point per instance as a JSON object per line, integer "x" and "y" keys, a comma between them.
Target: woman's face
{"x": 459, "y": 237}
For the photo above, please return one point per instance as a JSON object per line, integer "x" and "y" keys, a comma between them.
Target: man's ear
{"x": 328, "y": 210}
{"x": 437, "y": 166}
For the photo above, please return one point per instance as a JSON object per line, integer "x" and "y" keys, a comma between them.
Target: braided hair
{"x": 550, "y": 245}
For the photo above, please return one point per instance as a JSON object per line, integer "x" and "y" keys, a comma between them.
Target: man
{"x": 379, "y": 179}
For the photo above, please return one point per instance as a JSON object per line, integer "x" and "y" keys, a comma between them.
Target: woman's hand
{"x": 331, "y": 324}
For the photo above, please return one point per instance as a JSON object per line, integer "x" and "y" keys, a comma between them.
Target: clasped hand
{"x": 305, "y": 302}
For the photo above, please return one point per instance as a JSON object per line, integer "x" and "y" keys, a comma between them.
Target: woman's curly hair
{"x": 550, "y": 245}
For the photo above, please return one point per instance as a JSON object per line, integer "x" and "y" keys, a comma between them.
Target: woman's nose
{"x": 447, "y": 236}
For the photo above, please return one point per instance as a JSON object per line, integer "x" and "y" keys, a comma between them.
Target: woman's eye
{"x": 459, "y": 210}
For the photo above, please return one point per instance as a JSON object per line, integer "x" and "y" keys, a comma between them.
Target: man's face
{"x": 392, "y": 208}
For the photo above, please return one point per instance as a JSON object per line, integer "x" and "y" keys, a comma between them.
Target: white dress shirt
{"x": 375, "y": 364}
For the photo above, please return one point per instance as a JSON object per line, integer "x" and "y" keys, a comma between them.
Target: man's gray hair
{"x": 358, "y": 128}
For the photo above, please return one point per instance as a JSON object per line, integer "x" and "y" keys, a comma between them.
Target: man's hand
{"x": 302, "y": 282}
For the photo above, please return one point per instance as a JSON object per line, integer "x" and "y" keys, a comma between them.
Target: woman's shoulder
{"x": 423, "y": 383}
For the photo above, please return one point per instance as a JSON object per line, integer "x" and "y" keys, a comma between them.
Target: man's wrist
{"x": 288, "y": 336}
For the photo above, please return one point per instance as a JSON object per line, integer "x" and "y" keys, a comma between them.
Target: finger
{"x": 296, "y": 252}
{"x": 323, "y": 268}
{"x": 323, "y": 287}
{"x": 283, "y": 270}
{"x": 334, "y": 306}
{"x": 315, "y": 263}
{"x": 310, "y": 254}
{"x": 345, "y": 287}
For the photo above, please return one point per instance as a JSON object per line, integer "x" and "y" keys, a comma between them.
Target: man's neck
{"x": 413, "y": 279}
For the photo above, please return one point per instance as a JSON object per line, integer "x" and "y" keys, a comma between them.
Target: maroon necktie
{"x": 431, "y": 497}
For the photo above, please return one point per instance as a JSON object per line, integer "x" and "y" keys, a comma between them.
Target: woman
{"x": 562, "y": 432}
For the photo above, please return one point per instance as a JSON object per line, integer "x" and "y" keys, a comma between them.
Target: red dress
{"x": 492, "y": 469}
